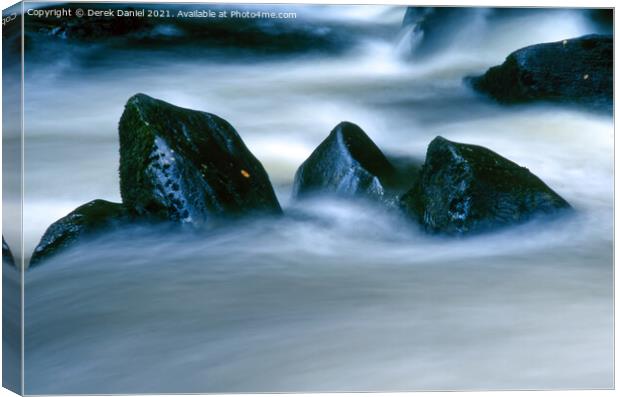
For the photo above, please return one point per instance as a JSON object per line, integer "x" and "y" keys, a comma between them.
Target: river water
{"x": 338, "y": 295}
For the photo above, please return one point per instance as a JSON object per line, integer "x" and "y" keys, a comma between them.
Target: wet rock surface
{"x": 85, "y": 221}
{"x": 576, "y": 71}
{"x": 95, "y": 27}
{"x": 187, "y": 166}
{"x": 190, "y": 31}
{"x": 346, "y": 163}
{"x": 466, "y": 188}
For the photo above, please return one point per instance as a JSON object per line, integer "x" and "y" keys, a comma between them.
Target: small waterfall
{"x": 408, "y": 39}
{"x": 492, "y": 33}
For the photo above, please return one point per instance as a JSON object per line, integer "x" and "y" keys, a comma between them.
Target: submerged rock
{"x": 467, "y": 188}
{"x": 97, "y": 27}
{"x": 187, "y": 166}
{"x": 186, "y": 31}
{"x": 86, "y": 220}
{"x": 347, "y": 162}
{"x": 7, "y": 255}
{"x": 578, "y": 71}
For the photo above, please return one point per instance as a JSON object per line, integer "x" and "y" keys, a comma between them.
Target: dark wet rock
{"x": 91, "y": 28}
{"x": 413, "y": 15}
{"x": 347, "y": 162}
{"x": 7, "y": 255}
{"x": 187, "y": 166}
{"x": 85, "y": 221}
{"x": 184, "y": 32}
{"x": 467, "y": 188}
{"x": 575, "y": 71}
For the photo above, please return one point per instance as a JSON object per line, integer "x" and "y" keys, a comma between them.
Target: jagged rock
{"x": 467, "y": 188}
{"x": 86, "y": 220}
{"x": 187, "y": 166}
{"x": 578, "y": 71}
{"x": 347, "y": 162}
{"x": 7, "y": 255}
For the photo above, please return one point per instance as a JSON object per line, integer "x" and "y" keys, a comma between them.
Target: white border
{"x": 522, "y": 3}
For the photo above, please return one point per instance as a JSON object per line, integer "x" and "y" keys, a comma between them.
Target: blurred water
{"x": 337, "y": 295}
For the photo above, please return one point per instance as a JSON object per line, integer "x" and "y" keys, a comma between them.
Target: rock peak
{"x": 187, "y": 165}
{"x": 347, "y": 162}
{"x": 467, "y": 188}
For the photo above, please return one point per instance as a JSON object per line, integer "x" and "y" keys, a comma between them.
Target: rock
{"x": 88, "y": 219}
{"x": 577, "y": 71}
{"x": 93, "y": 27}
{"x": 433, "y": 29}
{"x": 7, "y": 255}
{"x": 187, "y": 166}
{"x": 185, "y": 30}
{"x": 467, "y": 188}
{"x": 347, "y": 162}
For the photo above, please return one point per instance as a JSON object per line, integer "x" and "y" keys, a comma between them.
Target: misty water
{"x": 339, "y": 295}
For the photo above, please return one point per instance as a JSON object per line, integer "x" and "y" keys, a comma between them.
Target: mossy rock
{"x": 85, "y": 221}
{"x": 187, "y": 166}
{"x": 575, "y": 71}
{"x": 466, "y": 188}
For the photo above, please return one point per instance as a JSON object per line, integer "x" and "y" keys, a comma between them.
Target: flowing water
{"x": 338, "y": 295}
